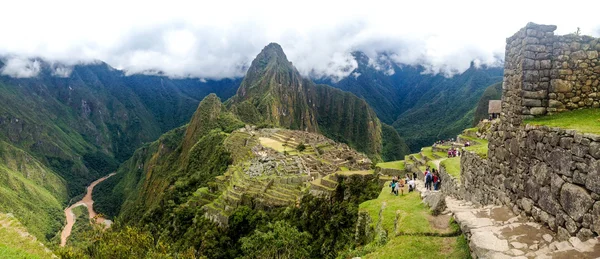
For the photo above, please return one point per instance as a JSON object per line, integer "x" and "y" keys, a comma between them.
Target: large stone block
{"x": 578, "y": 55}
{"x": 542, "y": 94}
{"x": 595, "y": 150}
{"x": 547, "y": 202}
{"x": 560, "y": 86}
{"x": 576, "y": 201}
{"x": 537, "y": 111}
{"x": 560, "y": 161}
{"x": 556, "y": 104}
{"x": 542, "y": 173}
{"x": 596, "y": 218}
{"x": 532, "y": 102}
{"x": 593, "y": 178}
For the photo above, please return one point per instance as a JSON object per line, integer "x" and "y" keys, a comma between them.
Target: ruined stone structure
{"x": 546, "y": 73}
{"x": 551, "y": 175}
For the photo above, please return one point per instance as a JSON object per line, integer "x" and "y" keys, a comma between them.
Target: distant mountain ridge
{"x": 57, "y": 134}
{"x": 422, "y": 107}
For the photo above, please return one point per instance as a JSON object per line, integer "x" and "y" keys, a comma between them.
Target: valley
{"x": 87, "y": 202}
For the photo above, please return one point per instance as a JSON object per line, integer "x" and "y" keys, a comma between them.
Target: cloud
{"x": 219, "y": 39}
{"x": 21, "y": 68}
{"x": 60, "y": 70}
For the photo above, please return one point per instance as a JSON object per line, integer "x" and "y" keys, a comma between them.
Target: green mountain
{"x": 492, "y": 92}
{"x": 274, "y": 93}
{"x": 57, "y": 134}
{"x": 423, "y": 108}
{"x": 206, "y": 187}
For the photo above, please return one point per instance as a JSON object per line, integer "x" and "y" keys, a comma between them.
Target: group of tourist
{"x": 442, "y": 142}
{"x": 398, "y": 184}
{"x": 453, "y": 152}
{"x": 432, "y": 179}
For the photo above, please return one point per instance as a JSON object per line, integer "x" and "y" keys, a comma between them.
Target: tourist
{"x": 414, "y": 176}
{"x": 435, "y": 180}
{"x": 428, "y": 180}
{"x": 411, "y": 185}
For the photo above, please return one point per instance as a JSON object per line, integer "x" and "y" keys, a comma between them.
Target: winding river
{"x": 89, "y": 203}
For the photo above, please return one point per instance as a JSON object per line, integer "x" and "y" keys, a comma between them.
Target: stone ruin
{"x": 546, "y": 73}
{"x": 550, "y": 175}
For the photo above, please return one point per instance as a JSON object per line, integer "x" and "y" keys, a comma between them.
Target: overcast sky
{"x": 217, "y": 39}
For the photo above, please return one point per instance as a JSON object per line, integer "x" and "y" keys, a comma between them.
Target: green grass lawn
{"x": 414, "y": 221}
{"x": 585, "y": 120}
{"x": 14, "y": 245}
{"x": 418, "y": 156}
{"x": 413, "y": 212}
{"x": 481, "y": 149}
{"x": 452, "y": 166}
{"x": 423, "y": 247}
{"x": 392, "y": 165}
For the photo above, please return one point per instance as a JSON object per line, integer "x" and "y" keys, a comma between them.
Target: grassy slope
{"x": 32, "y": 192}
{"x": 15, "y": 244}
{"x": 585, "y": 120}
{"x": 452, "y": 166}
{"x": 392, "y": 165}
{"x": 413, "y": 221}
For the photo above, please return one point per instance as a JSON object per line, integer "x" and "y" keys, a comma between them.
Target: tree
{"x": 301, "y": 147}
{"x": 281, "y": 240}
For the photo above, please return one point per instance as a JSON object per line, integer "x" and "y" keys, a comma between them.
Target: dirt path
{"x": 89, "y": 203}
{"x": 437, "y": 163}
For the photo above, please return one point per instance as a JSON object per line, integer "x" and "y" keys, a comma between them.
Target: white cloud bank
{"x": 217, "y": 39}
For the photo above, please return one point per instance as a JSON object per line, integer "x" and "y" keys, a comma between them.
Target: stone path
{"x": 495, "y": 232}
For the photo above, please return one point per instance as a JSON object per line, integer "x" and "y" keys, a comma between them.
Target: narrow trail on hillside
{"x": 89, "y": 203}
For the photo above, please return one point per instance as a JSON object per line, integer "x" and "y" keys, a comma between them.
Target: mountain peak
{"x": 271, "y": 55}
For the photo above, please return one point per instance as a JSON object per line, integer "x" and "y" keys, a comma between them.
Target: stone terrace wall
{"x": 545, "y": 73}
{"x": 450, "y": 185}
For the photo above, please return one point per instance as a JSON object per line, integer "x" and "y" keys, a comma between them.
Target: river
{"x": 89, "y": 203}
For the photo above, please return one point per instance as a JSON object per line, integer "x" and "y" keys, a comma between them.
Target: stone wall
{"x": 551, "y": 175}
{"x": 546, "y": 73}
{"x": 450, "y": 185}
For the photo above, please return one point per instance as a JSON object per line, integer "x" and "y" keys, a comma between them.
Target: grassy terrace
{"x": 392, "y": 165}
{"x": 481, "y": 147}
{"x": 452, "y": 166}
{"x": 427, "y": 151}
{"x": 414, "y": 239}
{"x": 585, "y": 120}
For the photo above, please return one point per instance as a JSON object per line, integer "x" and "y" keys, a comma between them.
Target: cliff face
{"x": 273, "y": 92}
{"x": 276, "y": 91}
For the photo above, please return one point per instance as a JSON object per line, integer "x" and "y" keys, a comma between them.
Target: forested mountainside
{"x": 421, "y": 107}
{"x": 274, "y": 93}
{"x": 492, "y": 92}
{"x": 57, "y": 134}
{"x": 217, "y": 189}
{"x": 206, "y": 186}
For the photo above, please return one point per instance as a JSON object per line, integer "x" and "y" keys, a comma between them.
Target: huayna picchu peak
{"x": 274, "y": 93}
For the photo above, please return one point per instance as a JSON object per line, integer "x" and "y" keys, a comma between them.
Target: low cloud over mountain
{"x": 189, "y": 39}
